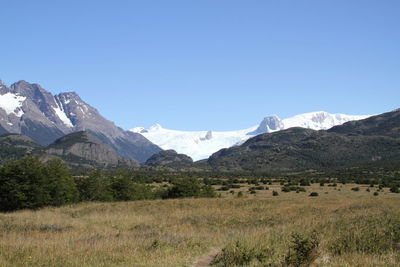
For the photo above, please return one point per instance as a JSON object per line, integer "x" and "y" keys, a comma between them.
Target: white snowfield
{"x": 63, "y": 117}
{"x": 202, "y": 144}
{"x": 12, "y": 103}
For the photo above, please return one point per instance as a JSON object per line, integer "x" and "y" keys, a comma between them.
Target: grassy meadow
{"x": 340, "y": 227}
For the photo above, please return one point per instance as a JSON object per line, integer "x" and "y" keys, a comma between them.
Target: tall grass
{"x": 352, "y": 229}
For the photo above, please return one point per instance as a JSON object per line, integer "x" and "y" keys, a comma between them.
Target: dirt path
{"x": 206, "y": 259}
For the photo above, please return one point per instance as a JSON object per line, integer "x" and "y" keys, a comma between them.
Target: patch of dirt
{"x": 206, "y": 259}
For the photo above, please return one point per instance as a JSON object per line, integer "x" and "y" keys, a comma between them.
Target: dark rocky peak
{"x": 38, "y": 95}
{"x": 169, "y": 158}
{"x": 385, "y": 124}
{"x": 84, "y": 147}
{"x": 267, "y": 125}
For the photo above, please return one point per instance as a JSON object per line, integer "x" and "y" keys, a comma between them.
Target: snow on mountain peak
{"x": 155, "y": 128}
{"x": 201, "y": 144}
{"x": 12, "y": 103}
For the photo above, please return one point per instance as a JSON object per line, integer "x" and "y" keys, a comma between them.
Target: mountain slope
{"x": 298, "y": 149}
{"x": 86, "y": 150}
{"x": 169, "y": 158}
{"x": 30, "y": 110}
{"x": 15, "y": 146}
{"x": 201, "y": 144}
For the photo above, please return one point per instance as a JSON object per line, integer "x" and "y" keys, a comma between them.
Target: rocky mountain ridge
{"x": 79, "y": 149}
{"x": 371, "y": 141}
{"x": 31, "y": 110}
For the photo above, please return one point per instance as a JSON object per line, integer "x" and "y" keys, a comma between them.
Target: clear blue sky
{"x": 207, "y": 64}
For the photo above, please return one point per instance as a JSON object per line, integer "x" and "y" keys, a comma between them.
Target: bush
{"x": 314, "y": 194}
{"x": 376, "y": 194}
{"x": 394, "y": 189}
{"x": 240, "y": 254}
{"x": 30, "y": 184}
{"x": 302, "y": 250}
{"x": 356, "y": 189}
{"x": 189, "y": 187}
{"x": 223, "y": 188}
{"x": 275, "y": 193}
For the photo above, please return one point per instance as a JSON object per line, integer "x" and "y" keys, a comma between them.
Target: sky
{"x": 207, "y": 64}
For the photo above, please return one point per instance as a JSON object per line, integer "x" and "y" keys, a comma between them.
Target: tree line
{"x": 28, "y": 183}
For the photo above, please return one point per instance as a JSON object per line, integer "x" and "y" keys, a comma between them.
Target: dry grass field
{"x": 344, "y": 228}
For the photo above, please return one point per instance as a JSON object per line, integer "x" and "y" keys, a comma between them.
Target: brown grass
{"x": 176, "y": 232}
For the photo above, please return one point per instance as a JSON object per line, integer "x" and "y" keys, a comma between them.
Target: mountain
{"x": 169, "y": 158}
{"x": 31, "y": 110}
{"x": 14, "y": 146}
{"x": 79, "y": 149}
{"x": 201, "y": 144}
{"x": 369, "y": 141}
{"x": 85, "y": 150}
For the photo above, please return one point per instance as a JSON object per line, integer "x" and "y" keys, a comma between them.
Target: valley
{"x": 350, "y": 227}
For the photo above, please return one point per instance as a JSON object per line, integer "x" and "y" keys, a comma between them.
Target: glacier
{"x": 202, "y": 144}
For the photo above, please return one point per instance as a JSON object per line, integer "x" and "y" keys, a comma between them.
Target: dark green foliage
{"x": 224, "y": 188}
{"x": 95, "y": 187}
{"x": 314, "y": 194}
{"x": 241, "y": 254}
{"x": 356, "y": 189}
{"x": 376, "y": 194}
{"x": 30, "y": 184}
{"x": 60, "y": 183}
{"x": 275, "y": 193}
{"x": 395, "y": 189}
{"x": 288, "y": 188}
{"x": 189, "y": 187}
{"x": 124, "y": 189}
{"x": 302, "y": 250}
{"x": 305, "y": 182}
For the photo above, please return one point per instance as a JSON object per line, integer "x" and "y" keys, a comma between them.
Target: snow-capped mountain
{"x": 201, "y": 144}
{"x": 31, "y": 110}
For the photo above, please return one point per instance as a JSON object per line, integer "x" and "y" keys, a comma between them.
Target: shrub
{"x": 314, "y": 194}
{"x": 223, "y": 188}
{"x": 189, "y": 187}
{"x": 240, "y": 194}
{"x": 394, "y": 189}
{"x": 376, "y": 194}
{"x": 275, "y": 193}
{"x": 240, "y": 254}
{"x": 302, "y": 250}
{"x": 305, "y": 182}
{"x": 356, "y": 189}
